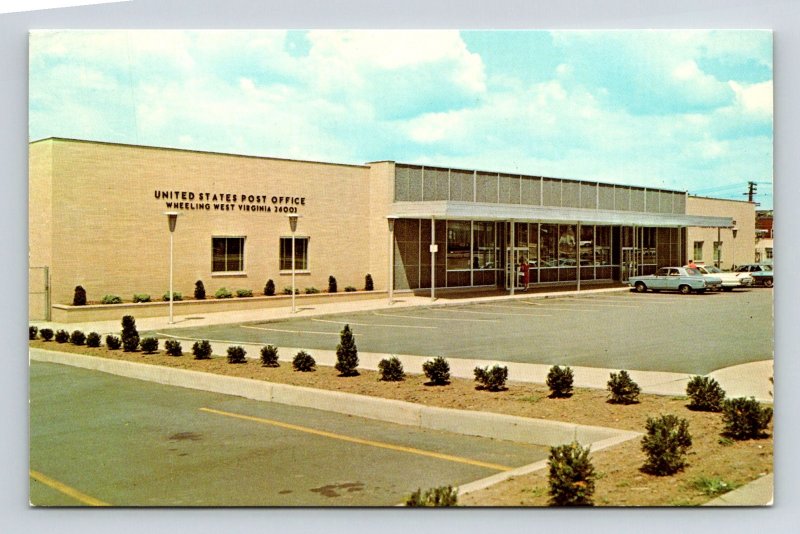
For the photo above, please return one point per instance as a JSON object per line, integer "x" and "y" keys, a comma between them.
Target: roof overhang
{"x": 471, "y": 211}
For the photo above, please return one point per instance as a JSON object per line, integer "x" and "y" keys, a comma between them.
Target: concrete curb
{"x": 489, "y": 425}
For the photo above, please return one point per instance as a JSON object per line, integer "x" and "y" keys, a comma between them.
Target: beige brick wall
{"x": 381, "y": 180}
{"x": 110, "y": 235}
{"x": 740, "y": 211}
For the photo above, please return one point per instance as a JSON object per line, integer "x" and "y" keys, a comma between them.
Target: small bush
{"x": 347, "y": 353}
{"x": 269, "y": 356}
{"x": 666, "y": 442}
{"x": 571, "y": 476}
{"x": 559, "y": 380}
{"x": 349, "y": 289}
{"x": 130, "y": 343}
{"x": 173, "y": 347}
{"x": 435, "y": 497}
{"x": 311, "y": 290}
{"x": 236, "y": 354}
{"x": 304, "y": 362}
{"x": 149, "y": 345}
{"x": 141, "y": 297}
{"x": 62, "y": 336}
{"x": 269, "y": 288}
{"x": 199, "y": 290}
{"x": 332, "y": 288}
{"x": 46, "y": 333}
{"x": 201, "y": 350}
{"x": 437, "y": 370}
{"x": 77, "y": 337}
{"x": 391, "y": 370}
{"x": 368, "y": 285}
{"x": 623, "y": 389}
{"x": 130, "y": 336}
{"x": 242, "y": 293}
{"x": 705, "y": 393}
{"x": 288, "y": 291}
{"x": 493, "y": 379}
{"x": 79, "y": 298}
{"x": 113, "y": 342}
{"x": 745, "y": 418}
{"x": 176, "y": 296}
{"x": 93, "y": 340}
{"x": 223, "y": 293}
{"x": 32, "y": 331}
{"x": 111, "y": 299}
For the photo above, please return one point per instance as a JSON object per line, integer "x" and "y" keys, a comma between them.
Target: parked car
{"x": 683, "y": 279}
{"x": 761, "y": 273}
{"x": 730, "y": 281}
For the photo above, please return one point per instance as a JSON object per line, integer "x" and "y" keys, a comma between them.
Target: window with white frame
{"x": 300, "y": 254}
{"x": 227, "y": 254}
{"x": 698, "y": 251}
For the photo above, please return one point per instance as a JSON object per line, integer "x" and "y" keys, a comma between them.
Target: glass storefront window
{"x": 549, "y": 245}
{"x": 533, "y": 246}
{"x": 484, "y": 252}
{"x": 458, "y": 245}
{"x": 602, "y": 245}
{"x": 587, "y": 245}
{"x": 567, "y": 246}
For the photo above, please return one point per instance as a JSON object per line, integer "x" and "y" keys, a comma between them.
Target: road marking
{"x": 66, "y": 490}
{"x": 360, "y": 441}
{"x": 290, "y": 331}
{"x": 585, "y": 302}
{"x": 370, "y": 324}
{"x": 504, "y": 314}
{"x": 548, "y": 306}
{"x": 418, "y": 318}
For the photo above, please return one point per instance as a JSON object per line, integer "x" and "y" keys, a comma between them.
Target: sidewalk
{"x": 757, "y": 493}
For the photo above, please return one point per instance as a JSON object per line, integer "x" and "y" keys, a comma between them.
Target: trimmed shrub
{"x": 32, "y": 331}
{"x": 666, "y": 443}
{"x": 559, "y": 380}
{"x": 62, "y": 336}
{"x": 332, "y": 288}
{"x": 77, "y": 337}
{"x": 347, "y": 353}
{"x": 304, "y": 362}
{"x": 745, "y": 418}
{"x": 223, "y": 293}
{"x": 93, "y": 340}
{"x": 111, "y": 299}
{"x": 368, "y": 286}
{"x": 199, "y": 290}
{"x": 79, "y": 298}
{"x": 176, "y": 296}
{"x": 288, "y": 291}
{"x": 236, "y": 354}
{"x": 437, "y": 370}
{"x": 391, "y": 370}
{"x": 242, "y": 293}
{"x": 173, "y": 347}
{"x": 269, "y": 289}
{"x": 705, "y": 393}
{"x": 269, "y": 356}
{"x": 623, "y": 390}
{"x": 434, "y": 497}
{"x": 46, "y": 333}
{"x": 149, "y": 345}
{"x": 571, "y": 475}
{"x": 141, "y": 297}
{"x": 130, "y": 336}
{"x": 349, "y": 289}
{"x": 113, "y": 342}
{"x": 493, "y": 379}
{"x": 311, "y": 290}
{"x": 201, "y": 350}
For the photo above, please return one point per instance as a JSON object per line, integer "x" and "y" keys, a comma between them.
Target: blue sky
{"x": 687, "y": 110}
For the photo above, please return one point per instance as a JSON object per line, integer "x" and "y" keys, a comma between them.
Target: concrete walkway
{"x": 750, "y": 379}
{"x": 757, "y": 493}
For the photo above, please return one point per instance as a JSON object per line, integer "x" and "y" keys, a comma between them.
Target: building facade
{"x": 97, "y": 219}
{"x": 723, "y": 247}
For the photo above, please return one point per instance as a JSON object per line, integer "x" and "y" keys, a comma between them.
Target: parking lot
{"x": 670, "y": 332}
{"x": 98, "y": 439}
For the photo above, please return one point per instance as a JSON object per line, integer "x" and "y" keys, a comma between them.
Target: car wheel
{"x": 640, "y": 287}
{"x": 768, "y": 282}
{"x": 684, "y": 289}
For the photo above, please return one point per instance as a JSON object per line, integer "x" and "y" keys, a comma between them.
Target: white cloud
{"x": 754, "y": 99}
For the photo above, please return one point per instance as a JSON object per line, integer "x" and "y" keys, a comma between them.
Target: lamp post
{"x": 172, "y": 220}
{"x": 390, "y": 279}
{"x": 734, "y": 231}
{"x": 293, "y": 226}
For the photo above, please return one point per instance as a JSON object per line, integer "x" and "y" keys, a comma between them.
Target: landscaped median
{"x": 714, "y": 463}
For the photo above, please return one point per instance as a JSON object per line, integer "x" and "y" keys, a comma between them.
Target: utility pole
{"x": 752, "y": 187}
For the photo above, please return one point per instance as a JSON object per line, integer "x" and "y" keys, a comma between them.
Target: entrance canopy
{"x": 454, "y": 210}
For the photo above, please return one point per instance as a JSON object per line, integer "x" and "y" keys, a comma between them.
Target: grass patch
{"x": 712, "y": 486}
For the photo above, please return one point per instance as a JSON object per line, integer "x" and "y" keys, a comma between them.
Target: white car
{"x": 730, "y": 281}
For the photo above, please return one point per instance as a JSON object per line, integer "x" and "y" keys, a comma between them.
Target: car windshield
{"x": 713, "y": 269}
{"x": 693, "y": 272}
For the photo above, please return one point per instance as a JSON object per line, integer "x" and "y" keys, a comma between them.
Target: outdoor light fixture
{"x": 734, "y": 231}
{"x": 390, "y": 279}
{"x": 172, "y": 220}
{"x": 293, "y": 227}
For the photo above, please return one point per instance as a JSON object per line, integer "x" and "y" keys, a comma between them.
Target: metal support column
{"x": 511, "y": 260}
{"x": 433, "y": 259}
{"x": 578, "y": 253}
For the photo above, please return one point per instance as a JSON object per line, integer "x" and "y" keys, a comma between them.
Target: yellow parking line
{"x": 66, "y": 490}
{"x": 360, "y": 441}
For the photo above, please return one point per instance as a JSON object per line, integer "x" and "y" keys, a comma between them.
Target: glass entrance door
{"x": 629, "y": 263}
{"x": 513, "y": 273}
